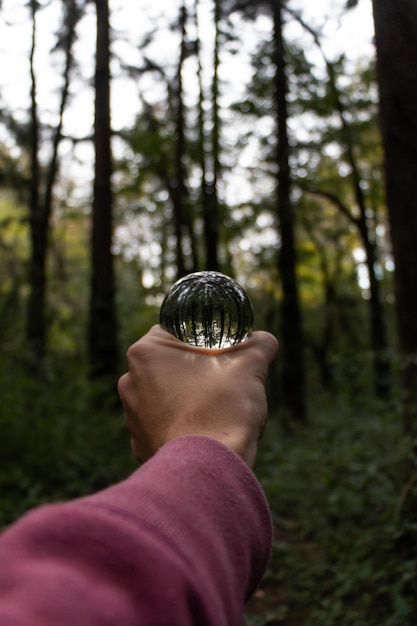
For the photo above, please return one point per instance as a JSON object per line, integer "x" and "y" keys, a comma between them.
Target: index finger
{"x": 258, "y": 352}
{"x": 265, "y": 342}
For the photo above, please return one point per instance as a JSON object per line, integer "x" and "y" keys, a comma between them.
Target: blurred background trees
{"x": 247, "y": 148}
{"x": 140, "y": 144}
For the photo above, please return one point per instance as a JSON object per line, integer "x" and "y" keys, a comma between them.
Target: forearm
{"x": 184, "y": 540}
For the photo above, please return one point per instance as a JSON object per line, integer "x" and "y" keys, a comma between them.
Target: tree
{"x": 103, "y": 346}
{"x": 177, "y": 182}
{"x": 291, "y": 334}
{"x": 210, "y": 148}
{"x": 42, "y": 182}
{"x": 293, "y": 375}
{"x": 396, "y": 46}
{"x": 379, "y": 339}
{"x": 176, "y": 140}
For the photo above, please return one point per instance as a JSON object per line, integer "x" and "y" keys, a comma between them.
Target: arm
{"x": 147, "y": 551}
{"x": 184, "y": 540}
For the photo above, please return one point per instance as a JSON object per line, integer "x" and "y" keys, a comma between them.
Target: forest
{"x": 270, "y": 140}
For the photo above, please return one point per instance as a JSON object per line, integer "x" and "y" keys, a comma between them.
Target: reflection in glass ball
{"x": 207, "y": 309}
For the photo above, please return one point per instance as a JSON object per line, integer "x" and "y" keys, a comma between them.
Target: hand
{"x": 173, "y": 389}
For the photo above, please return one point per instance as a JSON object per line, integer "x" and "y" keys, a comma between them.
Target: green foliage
{"x": 56, "y": 444}
{"x": 343, "y": 497}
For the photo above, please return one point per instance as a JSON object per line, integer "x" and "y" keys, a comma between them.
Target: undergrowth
{"x": 56, "y": 442}
{"x": 343, "y": 494}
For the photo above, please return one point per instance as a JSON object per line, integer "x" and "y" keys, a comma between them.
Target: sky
{"x": 352, "y": 34}
{"x": 348, "y": 31}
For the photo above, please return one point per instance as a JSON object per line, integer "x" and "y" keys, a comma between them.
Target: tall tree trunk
{"x": 35, "y": 323}
{"x": 211, "y": 190}
{"x": 103, "y": 348}
{"x": 293, "y": 373}
{"x": 396, "y": 45}
{"x": 41, "y": 209}
{"x": 177, "y": 185}
{"x": 209, "y": 146}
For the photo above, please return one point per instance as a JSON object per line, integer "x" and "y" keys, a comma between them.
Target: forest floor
{"x": 345, "y": 519}
{"x": 273, "y": 604}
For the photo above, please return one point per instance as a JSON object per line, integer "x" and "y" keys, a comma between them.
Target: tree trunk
{"x": 211, "y": 186}
{"x": 177, "y": 185}
{"x": 209, "y": 147}
{"x": 293, "y": 374}
{"x": 40, "y": 210}
{"x": 396, "y": 44}
{"x": 103, "y": 349}
{"x": 35, "y": 323}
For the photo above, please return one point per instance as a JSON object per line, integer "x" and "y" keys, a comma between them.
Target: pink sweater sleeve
{"x": 181, "y": 542}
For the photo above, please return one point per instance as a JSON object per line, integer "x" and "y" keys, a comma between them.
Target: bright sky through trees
{"x": 351, "y": 35}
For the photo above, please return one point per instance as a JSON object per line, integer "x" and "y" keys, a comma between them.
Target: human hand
{"x": 173, "y": 389}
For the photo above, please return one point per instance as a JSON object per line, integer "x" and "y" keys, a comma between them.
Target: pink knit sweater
{"x": 181, "y": 542}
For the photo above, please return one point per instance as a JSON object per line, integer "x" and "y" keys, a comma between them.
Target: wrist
{"x": 238, "y": 442}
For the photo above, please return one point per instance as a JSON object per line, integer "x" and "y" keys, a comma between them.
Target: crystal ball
{"x": 208, "y": 310}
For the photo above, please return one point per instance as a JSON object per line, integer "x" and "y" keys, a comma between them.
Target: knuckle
{"x": 131, "y": 353}
{"x": 139, "y": 352}
{"x": 121, "y": 383}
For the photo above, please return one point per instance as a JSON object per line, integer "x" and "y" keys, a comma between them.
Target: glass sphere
{"x": 207, "y": 309}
